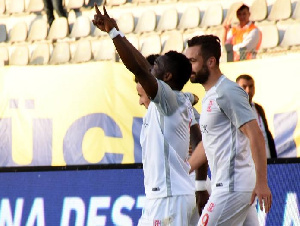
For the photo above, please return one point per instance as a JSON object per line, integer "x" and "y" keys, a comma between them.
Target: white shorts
{"x": 171, "y": 211}
{"x": 227, "y": 209}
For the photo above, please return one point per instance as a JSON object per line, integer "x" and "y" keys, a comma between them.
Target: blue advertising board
{"x": 94, "y": 195}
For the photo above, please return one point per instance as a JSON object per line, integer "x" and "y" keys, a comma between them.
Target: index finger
{"x": 97, "y": 9}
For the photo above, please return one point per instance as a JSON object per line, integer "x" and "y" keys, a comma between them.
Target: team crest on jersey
{"x": 210, "y": 104}
{"x": 156, "y": 223}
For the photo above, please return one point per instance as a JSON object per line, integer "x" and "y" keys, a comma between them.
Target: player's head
{"x": 151, "y": 58}
{"x": 247, "y": 83}
{"x": 243, "y": 14}
{"x": 144, "y": 100}
{"x": 173, "y": 68}
{"x": 204, "y": 53}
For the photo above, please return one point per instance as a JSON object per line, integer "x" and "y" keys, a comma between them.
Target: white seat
{"x": 83, "y": 51}
{"x": 2, "y": 6}
{"x": 81, "y": 28}
{"x": 190, "y": 18}
{"x": 270, "y": 36}
{"x": 35, "y": 6}
{"x": 74, "y": 4}
{"x": 18, "y": 33}
{"x": 213, "y": 16}
{"x": 291, "y": 36}
{"x": 126, "y": 22}
{"x": 173, "y": 41}
{"x": 258, "y": 10}
{"x": 146, "y": 22}
{"x": 59, "y": 29}
{"x": 15, "y": 6}
{"x": 61, "y": 53}
{"x": 168, "y": 20}
{"x": 281, "y": 10}
{"x": 38, "y": 30}
{"x": 40, "y": 55}
{"x": 150, "y": 44}
{"x": 103, "y": 49}
{"x": 19, "y": 55}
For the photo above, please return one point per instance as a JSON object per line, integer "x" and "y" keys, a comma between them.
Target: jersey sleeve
{"x": 165, "y": 98}
{"x": 234, "y": 103}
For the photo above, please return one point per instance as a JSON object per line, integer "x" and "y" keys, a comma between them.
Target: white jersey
{"x": 225, "y": 108}
{"x": 165, "y": 138}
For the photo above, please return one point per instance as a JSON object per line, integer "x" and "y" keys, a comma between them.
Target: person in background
{"x": 242, "y": 41}
{"x": 49, "y": 5}
{"x": 247, "y": 83}
{"x": 165, "y": 133}
{"x": 232, "y": 142}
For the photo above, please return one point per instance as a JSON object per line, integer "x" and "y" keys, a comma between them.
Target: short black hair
{"x": 180, "y": 67}
{"x": 242, "y": 7}
{"x": 210, "y": 46}
{"x": 151, "y": 58}
{"x": 244, "y": 76}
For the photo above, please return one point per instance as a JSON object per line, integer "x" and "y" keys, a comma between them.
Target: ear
{"x": 167, "y": 76}
{"x": 211, "y": 62}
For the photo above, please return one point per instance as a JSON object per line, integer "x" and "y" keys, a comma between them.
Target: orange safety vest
{"x": 237, "y": 37}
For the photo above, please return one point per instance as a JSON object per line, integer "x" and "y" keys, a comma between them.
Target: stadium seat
{"x": 15, "y": 6}
{"x": 258, "y": 10}
{"x": 126, "y": 22}
{"x": 281, "y": 10}
{"x": 74, "y": 4}
{"x": 188, "y": 34}
{"x": 213, "y": 16}
{"x": 190, "y": 18}
{"x": 168, "y": 20}
{"x": 3, "y": 33}
{"x": 231, "y": 12}
{"x": 291, "y": 36}
{"x": 115, "y": 2}
{"x": 2, "y": 7}
{"x": 81, "y": 28}
{"x": 18, "y": 33}
{"x": 35, "y": 6}
{"x": 133, "y": 39}
{"x": 59, "y": 29}
{"x": 103, "y": 49}
{"x": 40, "y": 55}
{"x": 172, "y": 41}
{"x": 83, "y": 51}
{"x": 270, "y": 36}
{"x": 216, "y": 30}
{"x": 61, "y": 53}
{"x": 19, "y": 55}
{"x": 150, "y": 44}
{"x": 4, "y": 55}
{"x": 146, "y": 22}
{"x": 38, "y": 30}
{"x": 296, "y": 13}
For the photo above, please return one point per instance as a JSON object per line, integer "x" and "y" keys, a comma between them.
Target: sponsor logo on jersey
{"x": 209, "y": 106}
{"x": 156, "y": 223}
{"x": 211, "y": 207}
{"x": 203, "y": 128}
{"x": 219, "y": 184}
{"x": 156, "y": 189}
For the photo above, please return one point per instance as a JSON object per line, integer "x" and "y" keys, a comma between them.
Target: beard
{"x": 200, "y": 76}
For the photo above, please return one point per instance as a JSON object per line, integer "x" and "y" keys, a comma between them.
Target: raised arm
{"x": 131, "y": 57}
{"x": 257, "y": 145}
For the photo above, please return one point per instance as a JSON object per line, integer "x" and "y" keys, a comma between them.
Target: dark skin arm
{"x": 201, "y": 172}
{"x": 131, "y": 57}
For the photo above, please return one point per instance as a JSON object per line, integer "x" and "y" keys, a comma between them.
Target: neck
{"x": 244, "y": 24}
{"x": 213, "y": 79}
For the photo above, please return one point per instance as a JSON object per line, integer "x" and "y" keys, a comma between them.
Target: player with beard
{"x": 232, "y": 142}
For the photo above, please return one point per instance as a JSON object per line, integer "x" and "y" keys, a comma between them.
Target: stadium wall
{"x": 78, "y": 114}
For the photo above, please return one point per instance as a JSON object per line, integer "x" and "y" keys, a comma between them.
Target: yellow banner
{"x": 89, "y": 113}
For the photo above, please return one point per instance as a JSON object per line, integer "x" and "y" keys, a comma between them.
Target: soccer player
{"x": 232, "y": 142}
{"x": 165, "y": 137}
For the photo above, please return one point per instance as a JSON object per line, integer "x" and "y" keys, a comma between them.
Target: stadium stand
{"x": 61, "y": 53}
{"x": 19, "y": 55}
{"x": 147, "y": 24}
